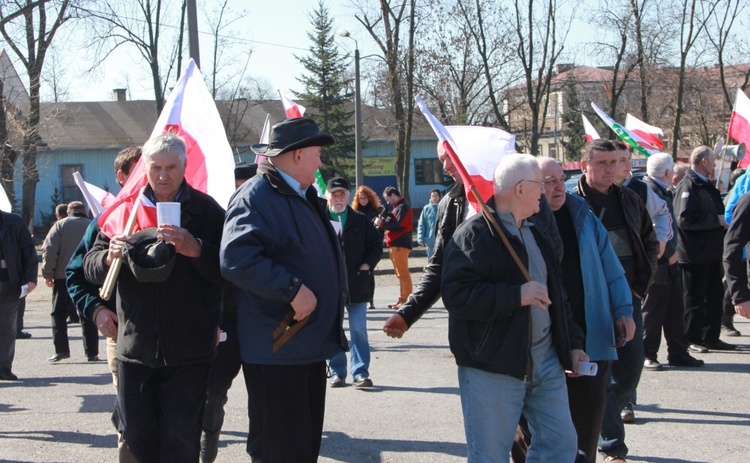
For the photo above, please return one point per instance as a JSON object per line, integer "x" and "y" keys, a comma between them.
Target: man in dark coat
{"x": 168, "y": 311}
{"x": 360, "y": 242}
{"x": 18, "y": 269}
{"x": 512, "y": 336}
{"x": 700, "y": 219}
{"x": 280, "y": 250}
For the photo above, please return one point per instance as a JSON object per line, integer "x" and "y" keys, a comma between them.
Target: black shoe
{"x": 23, "y": 335}
{"x": 652, "y": 365}
{"x": 697, "y": 348}
{"x": 93, "y": 358}
{"x": 721, "y": 345}
{"x": 7, "y": 376}
{"x": 338, "y": 381}
{"x": 685, "y": 360}
{"x": 58, "y": 357}
{"x": 730, "y": 330}
{"x": 73, "y": 321}
{"x": 361, "y": 382}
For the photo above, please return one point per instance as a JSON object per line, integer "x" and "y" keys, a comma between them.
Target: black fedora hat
{"x": 292, "y": 134}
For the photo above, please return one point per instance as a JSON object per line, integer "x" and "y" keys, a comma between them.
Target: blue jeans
{"x": 626, "y": 373}
{"x": 359, "y": 347}
{"x": 493, "y": 403}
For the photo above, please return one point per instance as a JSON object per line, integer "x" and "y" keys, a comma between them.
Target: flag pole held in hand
{"x": 114, "y": 270}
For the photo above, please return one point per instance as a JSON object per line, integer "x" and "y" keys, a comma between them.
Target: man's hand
{"x": 421, "y": 244}
{"x": 184, "y": 243}
{"x": 576, "y": 355}
{"x": 365, "y": 267}
{"x": 106, "y": 321}
{"x": 50, "y": 282}
{"x": 32, "y": 286}
{"x": 625, "y": 330}
{"x": 534, "y": 293}
{"x": 673, "y": 259}
{"x": 722, "y": 222}
{"x": 743, "y": 309}
{"x": 304, "y": 303}
{"x": 395, "y": 326}
{"x": 662, "y": 247}
{"x": 115, "y": 248}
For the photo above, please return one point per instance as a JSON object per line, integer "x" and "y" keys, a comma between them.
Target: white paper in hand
{"x": 168, "y": 213}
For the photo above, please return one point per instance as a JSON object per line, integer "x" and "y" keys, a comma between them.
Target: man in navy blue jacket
{"x": 282, "y": 253}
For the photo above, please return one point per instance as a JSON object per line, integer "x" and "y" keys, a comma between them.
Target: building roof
{"x": 114, "y": 124}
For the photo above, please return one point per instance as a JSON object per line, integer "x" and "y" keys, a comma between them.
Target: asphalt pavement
{"x": 61, "y": 412}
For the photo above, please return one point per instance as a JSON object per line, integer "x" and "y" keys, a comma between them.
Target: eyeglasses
{"x": 552, "y": 180}
{"x": 541, "y": 184}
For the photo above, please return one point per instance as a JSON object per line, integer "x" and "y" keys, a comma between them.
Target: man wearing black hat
{"x": 280, "y": 249}
{"x": 168, "y": 310}
{"x": 360, "y": 241}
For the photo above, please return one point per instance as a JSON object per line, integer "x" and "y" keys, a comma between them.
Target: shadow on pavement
{"x": 70, "y": 437}
{"x": 341, "y": 447}
{"x": 97, "y": 379}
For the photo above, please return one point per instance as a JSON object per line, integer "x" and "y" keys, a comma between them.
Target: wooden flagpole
{"x": 114, "y": 270}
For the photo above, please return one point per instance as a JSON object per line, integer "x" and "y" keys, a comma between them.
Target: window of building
{"x": 68, "y": 188}
{"x": 553, "y": 150}
{"x": 430, "y": 172}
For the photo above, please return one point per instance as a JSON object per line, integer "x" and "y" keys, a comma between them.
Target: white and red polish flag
{"x": 97, "y": 198}
{"x": 191, "y": 113}
{"x": 291, "y": 108}
{"x": 653, "y": 135}
{"x": 739, "y": 123}
{"x": 294, "y": 110}
{"x": 475, "y": 152}
{"x": 591, "y": 133}
{"x": 265, "y": 135}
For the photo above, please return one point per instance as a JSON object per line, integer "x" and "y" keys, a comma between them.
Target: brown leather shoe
{"x": 615, "y": 459}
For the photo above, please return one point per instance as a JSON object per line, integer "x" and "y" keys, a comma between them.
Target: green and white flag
{"x": 628, "y": 137}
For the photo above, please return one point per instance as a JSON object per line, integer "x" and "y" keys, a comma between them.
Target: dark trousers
{"x": 221, "y": 372}
{"x": 286, "y": 407}
{"x": 161, "y": 410}
{"x": 8, "y": 319}
{"x": 703, "y": 292}
{"x": 19, "y": 314}
{"x": 663, "y": 308}
{"x": 61, "y": 304}
{"x": 586, "y": 398}
{"x": 727, "y": 317}
{"x": 625, "y": 375}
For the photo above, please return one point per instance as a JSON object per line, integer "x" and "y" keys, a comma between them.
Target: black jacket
{"x": 697, "y": 206}
{"x": 171, "y": 323}
{"x": 361, "y": 245}
{"x": 662, "y": 275}
{"x": 735, "y": 264}
{"x": 17, "y": 248}
{"x": 488, "y": 328}
{"x": 450, "y": 214}
{"x": 641, "y": 231}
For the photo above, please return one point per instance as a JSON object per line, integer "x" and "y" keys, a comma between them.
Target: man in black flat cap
{"x": 280, "y": 249}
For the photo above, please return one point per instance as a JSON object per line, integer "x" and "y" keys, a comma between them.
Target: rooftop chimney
{"x": 120, "y": 94}
{"x": 565, "y": 67}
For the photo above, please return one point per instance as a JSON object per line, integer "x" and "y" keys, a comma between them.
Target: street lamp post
{"x": 357, "y": 112}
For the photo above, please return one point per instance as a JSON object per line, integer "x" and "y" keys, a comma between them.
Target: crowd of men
{"x": 556, "y": 300}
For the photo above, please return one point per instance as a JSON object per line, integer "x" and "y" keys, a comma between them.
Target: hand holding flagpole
{"x": 114, "y": 270}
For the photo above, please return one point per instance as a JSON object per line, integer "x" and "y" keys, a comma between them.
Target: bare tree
{"x": 220, "y": 20}
{"x": 449, "y": 73}
{"x": 394, "y": 21}
{"x": 25, "y": 28}
{"x": 719, "y": 33}
{"x": 539, "y": 44}
{"x": 483, "y": 21}
{"x": 693, "y": 15}
{"x": 141, "y": 24}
